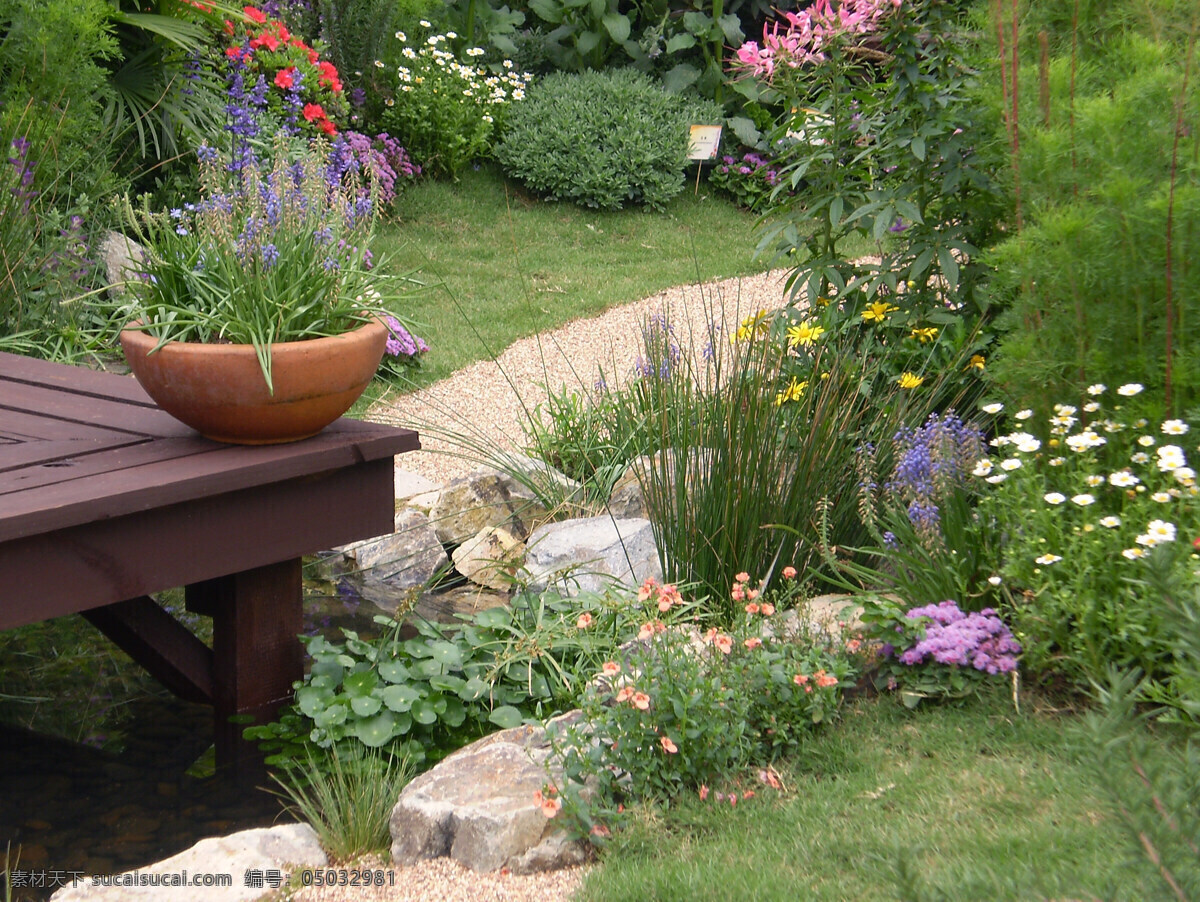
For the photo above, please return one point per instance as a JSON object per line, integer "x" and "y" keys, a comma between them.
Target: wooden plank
{"x": 226, "y": 468}
{"x": 162, "y": 645}
{"x": 138, "y": 452}
{"x": 97, "y": 563}
{"x": 50, "y": 455}
{"x": 77, "y": 379}
{"x": 28, "y": 426}
{"x": 91, "y": 409}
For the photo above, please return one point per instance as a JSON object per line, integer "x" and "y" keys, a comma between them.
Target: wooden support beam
{"x": 160, "y": 643}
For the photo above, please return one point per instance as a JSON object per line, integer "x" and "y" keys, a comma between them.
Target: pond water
{"x": 72, "y": 807}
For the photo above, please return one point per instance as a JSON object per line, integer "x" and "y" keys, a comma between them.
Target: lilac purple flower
{"x": 978, "y": 640}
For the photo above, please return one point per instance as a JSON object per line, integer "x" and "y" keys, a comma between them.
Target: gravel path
{"x": 482, "y": 406}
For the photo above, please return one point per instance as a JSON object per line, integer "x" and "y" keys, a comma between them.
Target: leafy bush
{"x": 1129, "y": 313}
{"x": 445, "y": 111}
{"x": 1081, "y": 505}
{"x": 882, "y": 131}
{"x": 601, "y": 139}
{"x": 749, "y": 180}
{"x": 426, "y": 696}
{"x": 681, "y": 709}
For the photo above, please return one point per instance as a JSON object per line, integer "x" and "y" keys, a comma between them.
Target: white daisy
{"x": 1083, "y": 499}
{"x": 1133, "y": 553}
{"x": 1047, "y": 559}
{"x": 1129, "y": 389}
{"x": 992, "y": 408}
{"x": 1161, "y": 497}
{"x": 1174, "y": 427}
{"x": 1011, "y": 463}
{"x": 1023, "y": 414}
{"x": 1123, "y": 479}
{"x": 1097, "y": 389}
{"x": 1094, "y": 480}
{"x": 982, "y": 467}
{"x": 1110, "y": 522}
{"x": 1054, "y": 498}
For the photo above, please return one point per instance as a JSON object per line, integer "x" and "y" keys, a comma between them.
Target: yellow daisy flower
{"x": 877, "y": 311}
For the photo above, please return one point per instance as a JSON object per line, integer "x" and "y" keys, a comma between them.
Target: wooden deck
{"x": 105, "y": 499}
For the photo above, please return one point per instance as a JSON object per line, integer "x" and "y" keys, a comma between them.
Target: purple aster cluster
{"x": 402, "y": 343}
{"x": 932, "y": 461}
{"x": 750, "y": 179}
{"x": 979, "y": 640}
{"x": 382, "y": 157}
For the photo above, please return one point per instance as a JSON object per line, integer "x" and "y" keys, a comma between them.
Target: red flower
{"x": 266, "y": 39}
{"x": 329, "y": 76}
{"x": 282, "y": 32}
{"x": 313, "y": 111}
{"x": 286, "y": 78}
{"x": 327, "y": 127}
{"x": 313, "y": 56}
{"x": 1196, "y": 543}
{"x": 254, "y": 14}
{"x": 237, "y": 53}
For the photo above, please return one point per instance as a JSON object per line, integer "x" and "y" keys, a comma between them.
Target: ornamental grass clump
{"x": 272, "y": 252}
{"x": 1085, "y": 501}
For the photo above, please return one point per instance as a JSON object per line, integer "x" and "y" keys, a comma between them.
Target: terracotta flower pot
{"x": 219, "y": 389}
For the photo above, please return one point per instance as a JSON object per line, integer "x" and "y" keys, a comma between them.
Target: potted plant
{"x": 256, "y": 315}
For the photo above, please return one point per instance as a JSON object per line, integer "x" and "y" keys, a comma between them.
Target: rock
{"x": 408, "y": 484}
{"x": 627, "y": 499}
{"x": 592, "y": 554}
{"x": 490, "y": 557}
{"x": 283, "y": 849}
{"x": 445, "y": 606}
{"x": 482, "y": 499}
{"x": 477, "y": 807}
{"x": 406, "y": 558}
{"x": 389, "y": 568}
{"x": 531, "y": 478}
{"x": 121, "y": 257}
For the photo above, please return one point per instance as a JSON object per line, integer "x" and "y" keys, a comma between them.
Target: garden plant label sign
{"x": 704, "y": 140}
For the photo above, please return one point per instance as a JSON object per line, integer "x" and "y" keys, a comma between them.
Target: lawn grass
{"x": 970, "y": 801}
{"x": 502, "y": 265}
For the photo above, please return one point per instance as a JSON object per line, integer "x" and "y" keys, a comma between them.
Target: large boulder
{"x": 483, "y": 499}
{"x": 592, "y": 554}
{"x": 390, "y": 567}
{"x": 121, "y": 257}
{"x": 255, "y": 861}
{"x": 477, "y": 806}
{"x": 453, "y": 605}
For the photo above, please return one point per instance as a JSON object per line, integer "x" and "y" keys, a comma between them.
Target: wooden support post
{"x": 257, "y": 615}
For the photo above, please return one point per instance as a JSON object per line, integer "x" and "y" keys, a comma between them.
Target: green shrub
{"x": 602, "y": 139}
{"x": 1102, "y": 181}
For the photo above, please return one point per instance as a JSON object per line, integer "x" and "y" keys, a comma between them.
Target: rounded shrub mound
{"x": 602, "y": 139}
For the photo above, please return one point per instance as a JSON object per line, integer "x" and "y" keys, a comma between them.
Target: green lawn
{"x": 949, "y": 802}
{"x": 502, "y": 265}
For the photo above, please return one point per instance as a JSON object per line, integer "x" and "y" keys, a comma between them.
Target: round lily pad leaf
{"x": 375, "y": 731}
{"x": 472, "y": 689}
{"x": 447, "y": 654}
{"x": 361, "y": 683}
{"x": 400, "y": 698}
{"x": 423, "y": 712}
{"x": 365, "y": 705}
{"x": 506, "y": 717}
{"x": 393, "y": 671}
